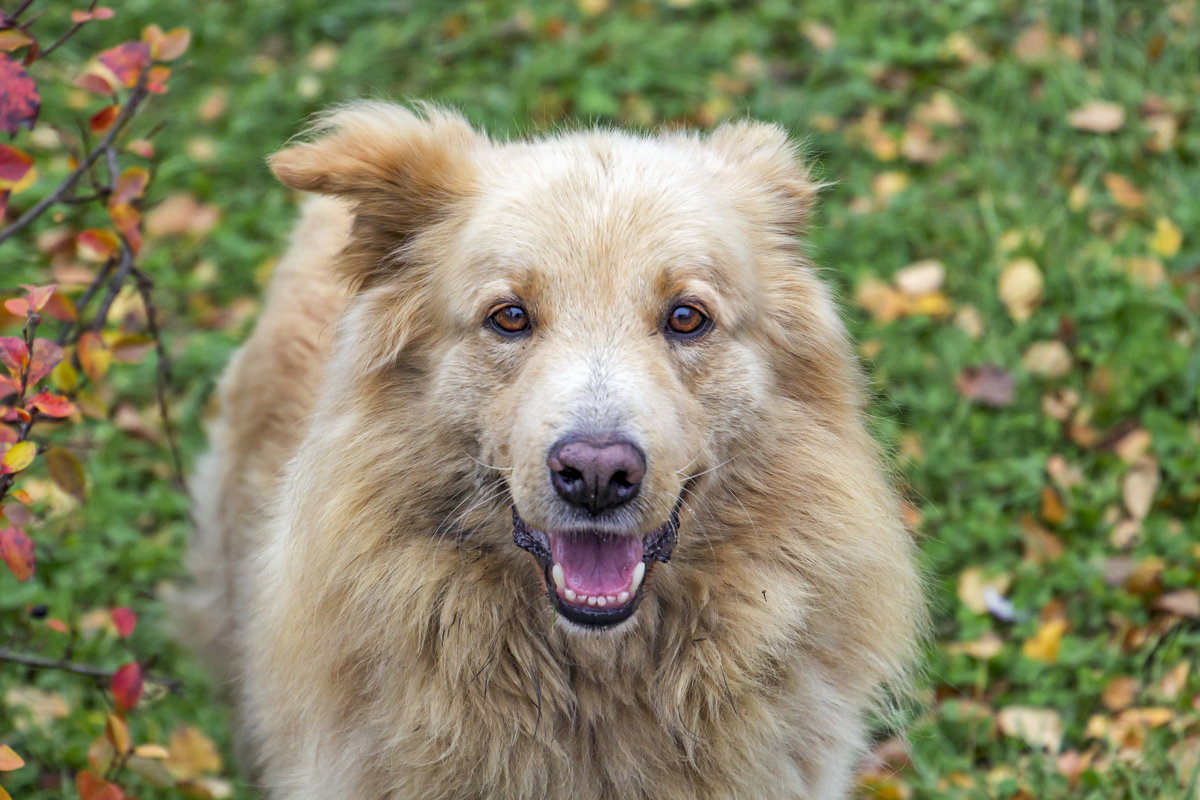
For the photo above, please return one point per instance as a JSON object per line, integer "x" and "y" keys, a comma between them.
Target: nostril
{"x": 570, "y": 474}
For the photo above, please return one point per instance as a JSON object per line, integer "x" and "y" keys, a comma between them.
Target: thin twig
{"x": 131, "y": 105}
{"x": 124, "y": 267}
{"x": 37, "y": 662}
{"x": 68, "y": 332}
{"x": 163, "y": 374}
{"x": 74, "y": 29}
{"x": 20, "y": 10}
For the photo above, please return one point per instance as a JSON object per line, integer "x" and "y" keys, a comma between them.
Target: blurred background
{"x": 1011, "y": 228}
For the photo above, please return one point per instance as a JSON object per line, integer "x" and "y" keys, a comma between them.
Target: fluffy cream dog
{"x": 544, "y": 476}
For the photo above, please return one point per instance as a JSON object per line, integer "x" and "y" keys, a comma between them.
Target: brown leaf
{"x": 1098, "y": 116}
{"x": 66, "y": 472}
{"x": 19, "y": 99}
{"x": 1139, "y": 486}
{"x": 987, "y": 385}
{"x": 1052, "y": 507}
{"x": 1049, "y": 359}
{"x": 1119, "y": 693}
{"x": 1123, "y": 192}
{"x": 1182, "y": 603}
{"x": 1174, "y": 682}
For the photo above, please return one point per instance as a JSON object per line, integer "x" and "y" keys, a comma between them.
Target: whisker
{"x": 710, "y": 469}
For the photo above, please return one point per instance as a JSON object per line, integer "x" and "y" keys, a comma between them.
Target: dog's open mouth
{"x": 592, "y": 579}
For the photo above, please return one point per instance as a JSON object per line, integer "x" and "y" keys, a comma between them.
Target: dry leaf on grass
{"x": 1099, "y": 116}
{"x": 1020, "y": 288}
{"x": 1038, "y": 727}
{"x": 987, "y": 385}
{"x": 1139, "y": 487}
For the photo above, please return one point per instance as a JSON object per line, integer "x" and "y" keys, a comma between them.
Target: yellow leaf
{"x": 1021, "y": 288}
{"x": 1049, "y": 359}
{"x": 9, "y": 760}
{"x": 17, "y": 457}
{"x": 1167, "y": 237}
{"x": 1045, "y": 644}
{"x": 972, "y": 586}
{"x": 117, "y": 733}
{"x": 191, "y": 754}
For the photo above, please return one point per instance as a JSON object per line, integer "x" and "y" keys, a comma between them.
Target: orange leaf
{"x": 17, "y": 457}
{"x": 130, "y": 186}
{"x": 66, "y": 472}
{"x": 91, "y": 787}
{"x": 166, "y": 46}
{"x": 117, "y": 733}
{"x": 46, "y": 355}
{"x": 14, "y": 354}
{"x": 14, "y": 166}
{"x": 97, "y": 245}
{"x": 127, "y": 61}
{"x": 9, "y": 760}
{"x": 80, "y": 16}
{"x": 125, "y": 620}
{"x": 103, "y": 119}
{"x": 61, "y": 307}
{"x": 14, "y": 39}
{"x": 129, "y": 222}
{"x": 127, "y": 685}
{"x": 94, "y": 355}
{"x": 17, "y": 552}
{"x": 156, "y": 78}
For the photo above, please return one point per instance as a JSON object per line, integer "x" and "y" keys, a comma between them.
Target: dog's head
{"x": 604, "y": 320}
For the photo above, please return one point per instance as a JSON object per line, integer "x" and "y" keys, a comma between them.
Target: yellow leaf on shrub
{"x": 191, "y": 754}
{"x": 9, "y": 760}
{"x": 17, "y": 457}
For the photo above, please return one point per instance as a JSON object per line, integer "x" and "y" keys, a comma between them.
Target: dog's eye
{"x": 510, "y": 319}
{"x": 687, "y": 321}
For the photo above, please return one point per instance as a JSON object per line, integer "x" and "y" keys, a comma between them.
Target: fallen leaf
{"x": 984, "y": 648}
{"x": 1143, "y": 270}
{"x": 1174, "y": 682}
{"x": 1182, "y": 603}
{"x": 91, "y": 787}
{"x": 1098, "y": 116}
{"x": 1052, "y": 506}
{"x": 1034, "y": 45}
{"x": 1123, "y": 192}
{"x": 1046, "y": 642}
{"x": 1133, "y": 445}
{"x": 1038, "y": 727}
{"x": 180, "y": 214}
{"x": 1185, "y": 756}
{"x": 821, "y": 35}
{"x": 921, "y": 277}
{"x": 1119, "y": 693}
{"x": 1139, "y": 486}
{"x": 987, "y": 385}
{"x": 1020, "y": 288}
{"x": 1167, "y": 237}
{"x": 972, "y": 583}
{"x": 1050, "y": 359}
{"x": 880, "y": 300}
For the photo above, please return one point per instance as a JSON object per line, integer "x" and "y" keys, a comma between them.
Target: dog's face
{"x": 599, "y": 314}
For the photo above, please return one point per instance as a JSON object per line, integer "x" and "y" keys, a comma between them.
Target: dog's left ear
{"x": 400, "y": 170}
{"x": 764, "y": 158}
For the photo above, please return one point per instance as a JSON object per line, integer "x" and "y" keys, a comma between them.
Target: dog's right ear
{"x": 400, "y": 170}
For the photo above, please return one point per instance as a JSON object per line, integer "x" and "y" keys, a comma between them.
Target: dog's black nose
{"x": 596, "y": 474}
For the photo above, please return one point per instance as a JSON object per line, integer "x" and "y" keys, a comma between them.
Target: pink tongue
{"x": 596, "y": 565}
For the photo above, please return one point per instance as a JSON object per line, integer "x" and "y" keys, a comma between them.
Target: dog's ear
{"x": 400, "y": 171}
{"x": 763, "y": 157}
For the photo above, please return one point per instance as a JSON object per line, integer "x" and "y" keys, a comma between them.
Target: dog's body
{"x": 590, "y": 346}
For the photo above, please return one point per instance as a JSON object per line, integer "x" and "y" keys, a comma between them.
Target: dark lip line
{"x": 657, "y": 546}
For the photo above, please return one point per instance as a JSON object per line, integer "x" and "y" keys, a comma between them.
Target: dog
{"x": 544, "y": 474}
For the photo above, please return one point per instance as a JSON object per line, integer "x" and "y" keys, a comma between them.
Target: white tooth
{"x": 556, "y": 573}
{"x": 612, "y": 598}
{"x": 602, "y": 601}
{"x": 591, "y": 601}
{"x": 639, "y": 572}
{"x": 570, "y": 595}
{"x": 623, "y": 598}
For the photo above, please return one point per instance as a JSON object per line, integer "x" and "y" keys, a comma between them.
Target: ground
{"x": 1010, "y": 223}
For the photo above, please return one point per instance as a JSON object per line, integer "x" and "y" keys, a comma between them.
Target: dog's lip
{"x": 606, "y": 609}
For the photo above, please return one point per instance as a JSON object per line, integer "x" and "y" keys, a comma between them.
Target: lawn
{"x": 1010, "y": 225}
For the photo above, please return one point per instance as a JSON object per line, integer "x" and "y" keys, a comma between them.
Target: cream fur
{"x": 356, "y": 577}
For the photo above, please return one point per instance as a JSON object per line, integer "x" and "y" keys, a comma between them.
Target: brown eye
{"x": 510, "y": 319}
{"x": 686, "y": 320}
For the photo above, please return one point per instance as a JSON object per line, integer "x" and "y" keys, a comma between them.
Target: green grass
{"x": 1001, "y": 191}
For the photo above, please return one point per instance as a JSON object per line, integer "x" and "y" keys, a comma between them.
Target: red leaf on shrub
{"x": 46, "y": 355}
{"x": 97, "y": 79}
{"x": 141, "y": 147}
{"x": 19, "y": 99}
{"x": 13, "y": 354}
{"x": 127, "y": 685}
{"x": 7, "y": 436}
{"x": 130, "y": 186}
{"x": 14, "y": 165}
{"x": 87, "y": 16}
{"x": 125, "y": 620}
{"x": 61, "y": 307}
{"x": 91, "y": 787}
{"x": 39, "y": 295}
{"x": 103, "y": 119}
{"x": 156, "y": 79}
{"x": 127, "y": 61}
{"x": 97, "y": 245}
{"x": 17, "y": 552}
{"x": 52, "y": 405}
